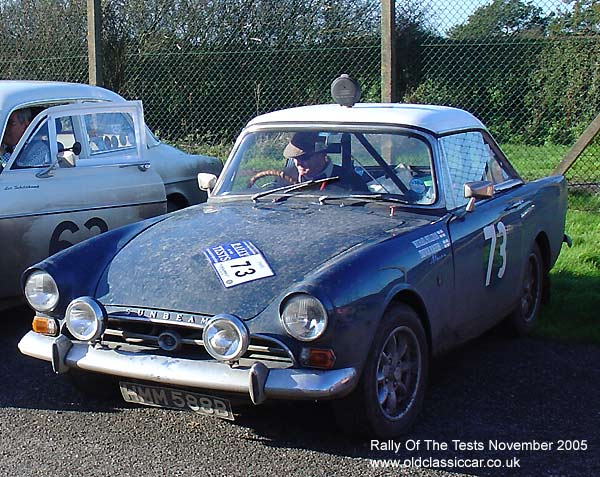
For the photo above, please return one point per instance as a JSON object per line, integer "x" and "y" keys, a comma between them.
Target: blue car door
{"x": 487, "y": 241}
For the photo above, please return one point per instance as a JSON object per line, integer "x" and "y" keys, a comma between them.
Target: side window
{"x": 109, "y": 132}
{"x": 467, "y": 156}
{"x": 65, "y": 135}
{"x": 36, "y": 152}
{"x": 495, "y": 170}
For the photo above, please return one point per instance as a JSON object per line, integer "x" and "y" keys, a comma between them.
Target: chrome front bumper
{"x": 257, "y": 381}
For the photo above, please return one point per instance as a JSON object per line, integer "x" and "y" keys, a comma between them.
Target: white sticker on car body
{"x": 489, "y": 233}
{"x": 238, "y": 262}
{"x": 431, "y": 244}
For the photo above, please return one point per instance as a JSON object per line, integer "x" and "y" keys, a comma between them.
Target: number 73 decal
{"x": 492, "y": 232}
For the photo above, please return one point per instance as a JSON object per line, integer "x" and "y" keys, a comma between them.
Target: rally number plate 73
{"x": 176, "y": 399}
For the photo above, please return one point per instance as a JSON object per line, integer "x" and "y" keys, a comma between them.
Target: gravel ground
{"x": 493, "y": 389}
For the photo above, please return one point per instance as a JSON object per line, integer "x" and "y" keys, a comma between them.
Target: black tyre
{"x": 94, "y": 385}
{"x": 390, "y": 392}
{"x": 523, "y": 318}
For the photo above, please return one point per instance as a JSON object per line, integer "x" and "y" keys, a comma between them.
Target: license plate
{"x": 176, "y": 399}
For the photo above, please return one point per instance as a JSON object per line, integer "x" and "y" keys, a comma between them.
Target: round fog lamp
{"x": 41, "y": 291}
{"x": 304, "y": 317}
{"x": 225, "y": 338}
{"x": 85, "y": 319}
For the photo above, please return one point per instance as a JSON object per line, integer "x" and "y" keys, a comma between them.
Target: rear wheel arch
{"x": 544, "y": 247}
{"x": 176, "y": 201}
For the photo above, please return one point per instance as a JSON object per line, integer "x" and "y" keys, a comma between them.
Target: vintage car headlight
{"x": 225, "y": 338}
{"x": 85, "y": 319}
{"x": 41, "y": 291}
{"x": 304, "y": 317}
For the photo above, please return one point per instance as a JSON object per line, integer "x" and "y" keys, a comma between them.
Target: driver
{"x": 15, "y": 127}
{"x": 308, "y": 153}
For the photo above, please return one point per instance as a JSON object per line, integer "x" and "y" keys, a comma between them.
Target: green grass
{"x": 533, "y": 162}
{"x": 573, "y": 312}
{"x": 218, "y": 149}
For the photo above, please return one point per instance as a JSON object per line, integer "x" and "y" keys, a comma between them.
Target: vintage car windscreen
{"x": 367, "y": 163}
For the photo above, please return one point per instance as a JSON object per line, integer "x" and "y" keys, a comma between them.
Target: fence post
{"x": 577, "y": 149}
{"x": 94, "y": 39}
{"x": 388, "y": 51}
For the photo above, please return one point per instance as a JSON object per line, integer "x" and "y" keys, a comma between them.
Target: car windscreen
{"x": 341, "y": 162}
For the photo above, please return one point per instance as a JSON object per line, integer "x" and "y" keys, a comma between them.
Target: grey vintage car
{"x": 325, "y": 289}
{"x": 86, "y": 164}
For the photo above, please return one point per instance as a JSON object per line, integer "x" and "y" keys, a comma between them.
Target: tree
{"x": 564, "y": 93}
{"x": 503, "y": 18}
{"x": 43, "y": 39}
{"x": 583, "y": 19}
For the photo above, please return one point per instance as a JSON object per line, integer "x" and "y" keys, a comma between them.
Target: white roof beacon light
{"x": 345, "y": 91}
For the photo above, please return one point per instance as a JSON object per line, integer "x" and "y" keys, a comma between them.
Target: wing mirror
{"x": 66, "y": 157}
{"x": 206, "y": 181}
{"x": 477, "y": 190}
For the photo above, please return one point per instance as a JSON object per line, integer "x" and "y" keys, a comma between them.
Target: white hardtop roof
{"x": 16, "y": 93}
{"x": 436, "y": 119}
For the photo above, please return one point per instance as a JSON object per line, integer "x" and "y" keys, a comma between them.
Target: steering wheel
{"x": 270, "y": 173}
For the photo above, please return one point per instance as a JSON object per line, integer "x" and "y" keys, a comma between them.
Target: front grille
{"x": 141, "y": 328}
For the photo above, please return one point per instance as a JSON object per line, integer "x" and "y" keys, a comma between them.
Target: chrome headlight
{"x": 41, "y": 291}
{"x": 85, "y": 319}
{"x": 304, "y": 317}
{"x": 225, "y": 338}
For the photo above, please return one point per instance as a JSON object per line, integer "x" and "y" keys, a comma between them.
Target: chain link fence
{"x": 529, "y": 69}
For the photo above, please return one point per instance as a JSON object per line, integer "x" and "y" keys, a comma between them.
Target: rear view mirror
{"x": 478, "y": 190}
{"x": 206, "y": 181}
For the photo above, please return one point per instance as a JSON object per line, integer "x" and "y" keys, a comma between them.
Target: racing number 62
{"x": 489, "y": 233}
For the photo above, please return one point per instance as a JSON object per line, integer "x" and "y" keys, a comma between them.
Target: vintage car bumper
{"x": 257, "y": 381}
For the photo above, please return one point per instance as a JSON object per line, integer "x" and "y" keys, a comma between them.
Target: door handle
{"x": 514, "y": 205}
{"x": 142, "y": 166}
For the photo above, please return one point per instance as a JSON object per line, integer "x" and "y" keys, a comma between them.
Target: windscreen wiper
{"x": 365, "y": 197}
{"x": 293, "y": 187}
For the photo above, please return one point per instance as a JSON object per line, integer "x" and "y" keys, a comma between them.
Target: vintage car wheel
{"x": 270, "y": 173}
{"x": 93, "y": 385}
{"x": 523, "y": 318}
{"x": 390, "y": 392}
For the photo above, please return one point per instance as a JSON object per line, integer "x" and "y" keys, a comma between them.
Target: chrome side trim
{"x": 72, "y": 211}
{"x": 276, "y": 383}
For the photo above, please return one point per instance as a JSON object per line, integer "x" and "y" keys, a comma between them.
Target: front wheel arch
{"x": 414, "y": 301}
{"x": 391, "y": 389}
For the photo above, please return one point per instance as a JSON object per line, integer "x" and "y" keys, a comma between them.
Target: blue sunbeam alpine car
{"x": 342, "y": 248}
